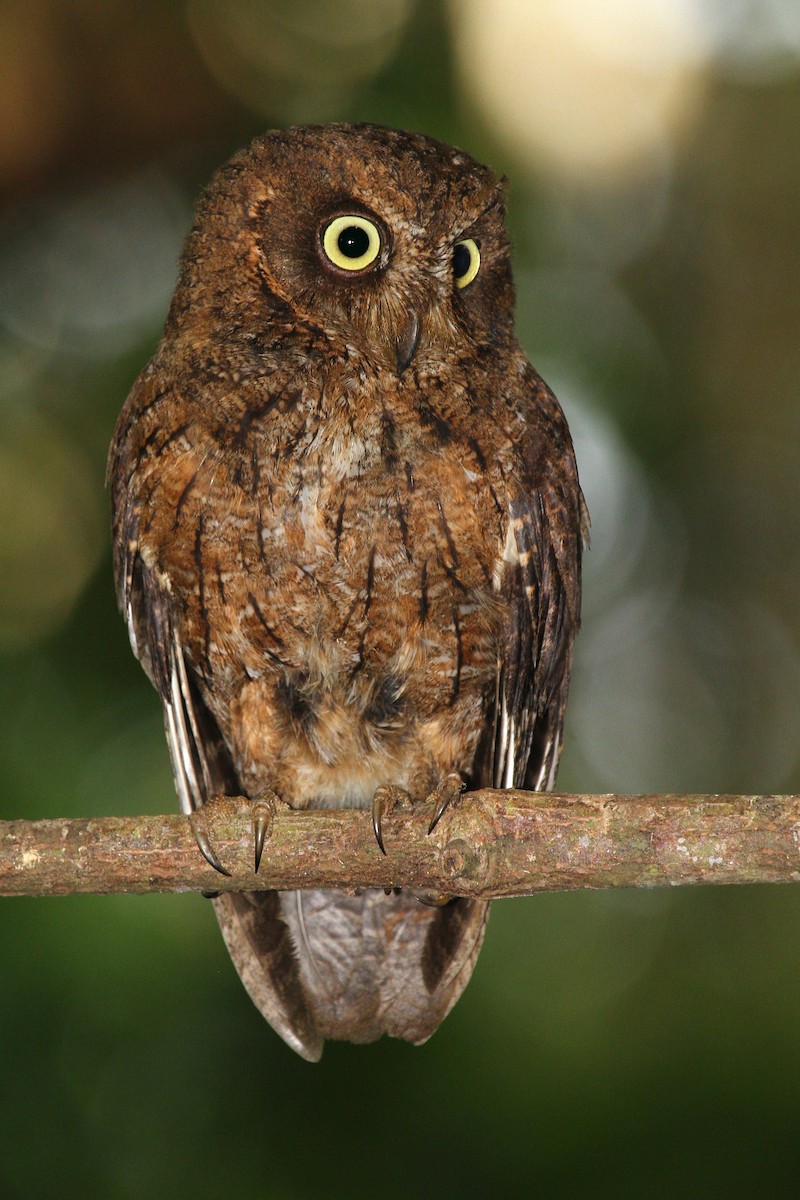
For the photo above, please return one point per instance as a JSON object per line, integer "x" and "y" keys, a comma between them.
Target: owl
{"x": 348, "y": 528}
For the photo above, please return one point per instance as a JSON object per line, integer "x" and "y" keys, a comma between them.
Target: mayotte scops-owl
{"x": 348, "y": 532}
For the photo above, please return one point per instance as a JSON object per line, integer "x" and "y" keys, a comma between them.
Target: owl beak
{"x": 407, "y": 341}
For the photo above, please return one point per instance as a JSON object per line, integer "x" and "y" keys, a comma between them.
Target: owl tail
{"x": 325, "y": 964}
{"x": 260, "y": 945}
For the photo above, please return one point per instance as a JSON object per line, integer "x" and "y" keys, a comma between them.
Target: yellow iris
{"x": 466, "y": 262}
{"x": 351, "y": 243}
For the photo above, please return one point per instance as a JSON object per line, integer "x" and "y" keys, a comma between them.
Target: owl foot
{"x": 443, "y": 795}
{"x": 260, "y": 813}
{"x": 386, "y": 798}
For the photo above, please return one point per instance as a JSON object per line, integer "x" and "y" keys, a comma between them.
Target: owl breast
{"x": 346, "y": 573}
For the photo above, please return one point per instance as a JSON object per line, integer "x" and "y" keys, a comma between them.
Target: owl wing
{"x": 540, "y": 577}
{"x": 257, "y": 937}
{"x": 200, "y": 763}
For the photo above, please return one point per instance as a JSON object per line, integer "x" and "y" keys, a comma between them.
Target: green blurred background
{"x": 610, "y": 1044}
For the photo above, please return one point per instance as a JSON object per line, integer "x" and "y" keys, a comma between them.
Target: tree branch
{"x": 491, "y": 843}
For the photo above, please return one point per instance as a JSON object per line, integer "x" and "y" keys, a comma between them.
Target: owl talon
{"x": 444, "y": 794}
{"x": 263, "y": 818}
{"x": 384, "y": 800}
{"x": 377, "y": 818}
{"x": 376, "y": 829}
{"x": 204, "y": 844}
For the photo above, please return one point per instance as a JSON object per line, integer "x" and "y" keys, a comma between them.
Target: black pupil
{"x": 353, "y": 241}
{"x": 461, "y": 260}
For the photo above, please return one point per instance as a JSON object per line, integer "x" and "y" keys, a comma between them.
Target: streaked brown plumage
{"x": 347, "y": 540}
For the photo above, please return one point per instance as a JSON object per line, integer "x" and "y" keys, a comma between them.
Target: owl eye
{"x": 466, "y": 262}
{"x": 351, "y": 243}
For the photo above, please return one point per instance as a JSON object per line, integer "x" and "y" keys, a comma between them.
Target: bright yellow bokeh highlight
{"x": 551, "y": 81}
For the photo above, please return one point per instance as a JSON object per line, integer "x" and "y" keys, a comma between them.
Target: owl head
{"x": 389, "y": 248}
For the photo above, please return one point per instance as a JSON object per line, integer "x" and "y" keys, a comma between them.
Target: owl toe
{"x": 443, "y": 795}
{"x": 216, "y": 826}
